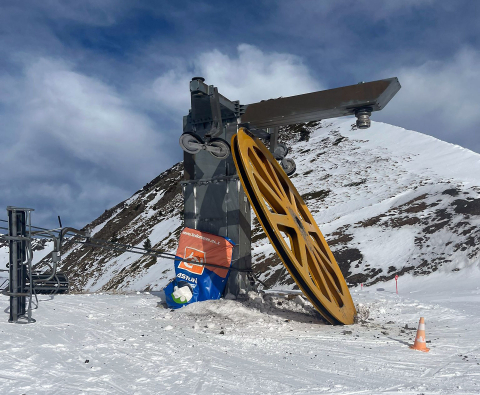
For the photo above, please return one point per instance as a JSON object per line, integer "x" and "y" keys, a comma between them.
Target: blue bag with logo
{"x": 197, "y": 282}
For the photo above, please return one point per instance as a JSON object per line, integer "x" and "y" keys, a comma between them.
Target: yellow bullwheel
{"x": 291, "y": 229}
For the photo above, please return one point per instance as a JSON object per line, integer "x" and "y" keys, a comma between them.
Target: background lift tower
{"x": 215, "y": 201}
{"x": 20, "y": 285}
{"x": 24, "y": 282}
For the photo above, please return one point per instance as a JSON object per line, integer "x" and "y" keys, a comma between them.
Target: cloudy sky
{"x": 92, "y": 92}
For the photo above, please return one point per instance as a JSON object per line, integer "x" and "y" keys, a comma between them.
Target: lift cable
{"x": 138, "y": 250}
{"x": 39, "y": 228}
{"x": 151, "y": 252}
{"x": 108, "y": 245}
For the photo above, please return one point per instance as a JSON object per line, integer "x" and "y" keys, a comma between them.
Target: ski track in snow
{"x": 134, "y": 346}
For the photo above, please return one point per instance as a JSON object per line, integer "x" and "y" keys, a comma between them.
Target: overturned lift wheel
{"x": 292, "y": 230}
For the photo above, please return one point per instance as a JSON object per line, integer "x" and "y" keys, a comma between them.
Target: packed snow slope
{"x": 389, "y": 201}
{"x": 262, "y": 344}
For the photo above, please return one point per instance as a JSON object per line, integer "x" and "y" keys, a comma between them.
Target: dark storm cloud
{"x": 92, "y": 93}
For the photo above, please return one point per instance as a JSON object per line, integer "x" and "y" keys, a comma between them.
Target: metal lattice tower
{"x": 20, "y": 286}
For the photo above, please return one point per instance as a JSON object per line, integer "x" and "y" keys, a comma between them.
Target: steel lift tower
{"x": 20, "y": 263}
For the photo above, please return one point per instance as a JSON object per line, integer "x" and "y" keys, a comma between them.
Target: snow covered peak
{"x": 389, "y": 201}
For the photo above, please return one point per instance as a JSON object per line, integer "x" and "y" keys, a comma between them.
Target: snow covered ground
{"x": 126, "y": 344}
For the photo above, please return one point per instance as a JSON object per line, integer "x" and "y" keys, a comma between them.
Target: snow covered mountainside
{"x": 388, "y": 200}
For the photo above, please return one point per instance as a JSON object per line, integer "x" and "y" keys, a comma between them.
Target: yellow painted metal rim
{"x": 292, "y": 229}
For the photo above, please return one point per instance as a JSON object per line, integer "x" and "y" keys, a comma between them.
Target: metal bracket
{"x": 217, "y": 125}
{"x": 273, "y": 132}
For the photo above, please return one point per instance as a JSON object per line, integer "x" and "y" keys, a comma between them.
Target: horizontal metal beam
{"x": 319, "y": 105}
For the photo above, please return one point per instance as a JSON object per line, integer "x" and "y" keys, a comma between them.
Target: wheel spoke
{"x": 282, "y": 220}
{"x": 281, "y": 185}
{"x": 293, "y": 201}
{"x": 262, "y": 168}
{"x": 327, "y": 263}
{"x": 319, "y": 250}
{"x": 303, "y": 210}
{"x": 301, "y": 252}
{"x": 272, "y": 198}
{"x": 327, "y": 275}
{"x": 310, "y": 228}
{"x": 319, "y": 276}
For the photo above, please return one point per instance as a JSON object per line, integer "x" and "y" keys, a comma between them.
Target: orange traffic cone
{"x": 420, "y": 343}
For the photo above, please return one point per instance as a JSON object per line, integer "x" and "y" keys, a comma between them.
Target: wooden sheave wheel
{"x": 291, "y": 229}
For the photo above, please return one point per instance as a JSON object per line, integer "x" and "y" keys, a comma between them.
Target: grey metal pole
{"x": 29, "y": 259}
{"x": 12, "y": 231}
{"x": 20, "y": 251}
{"x": 273, "y": 131}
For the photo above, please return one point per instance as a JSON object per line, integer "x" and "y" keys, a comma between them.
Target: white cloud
{"x": 72, "y": 142}
{"x": 250, "y": 76}
{"x": 87, "y": 118}
{"x": 440, "y": 98}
